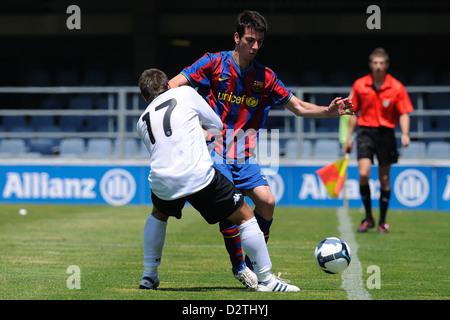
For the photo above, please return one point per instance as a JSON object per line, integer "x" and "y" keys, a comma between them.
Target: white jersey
{"x": 171, "y": 128}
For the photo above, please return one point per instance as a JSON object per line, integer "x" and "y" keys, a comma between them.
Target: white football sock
{"x": 255, "y": 247}
{"x": 154, "y": 236}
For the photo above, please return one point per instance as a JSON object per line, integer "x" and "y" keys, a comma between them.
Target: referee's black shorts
{"x": 216, "y": 202}
{"x": 377, "y": 140}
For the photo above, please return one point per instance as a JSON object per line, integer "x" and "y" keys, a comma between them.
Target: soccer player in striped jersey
{"x": 181, "y": 171}
{"x": 241, "y": 91}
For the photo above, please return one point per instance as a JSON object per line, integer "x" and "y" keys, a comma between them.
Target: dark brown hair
{"x": 151, "y": 82}
{"x": 252, "y": 20}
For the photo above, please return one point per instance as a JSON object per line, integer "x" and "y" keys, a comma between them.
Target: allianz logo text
{"x": 117, "y": 187}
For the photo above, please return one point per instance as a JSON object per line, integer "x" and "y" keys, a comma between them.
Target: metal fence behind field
{"x": 52, "y": 115}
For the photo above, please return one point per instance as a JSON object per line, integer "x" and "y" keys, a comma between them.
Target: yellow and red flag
{"x": 333, "y": 176}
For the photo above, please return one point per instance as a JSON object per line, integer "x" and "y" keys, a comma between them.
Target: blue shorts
{"x": 245, "y": 176}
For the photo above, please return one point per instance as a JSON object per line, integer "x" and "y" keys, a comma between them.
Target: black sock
{"x": 385, "y": 195}
{"x": 366, "y": 199}
{"x": 264, "y": 225}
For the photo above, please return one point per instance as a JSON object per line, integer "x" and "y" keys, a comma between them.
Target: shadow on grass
{"x": 203, "y": 289}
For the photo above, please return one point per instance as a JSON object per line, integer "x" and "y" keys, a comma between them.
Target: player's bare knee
{"x": 266, "y": 207}
{"x": 271, "y": 203}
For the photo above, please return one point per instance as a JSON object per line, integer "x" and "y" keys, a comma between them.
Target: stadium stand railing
{"x": 103, "y": 119}
{"x": 430, "y": 120}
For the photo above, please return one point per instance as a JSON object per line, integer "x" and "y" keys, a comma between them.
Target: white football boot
{"x": 276, "y": 284}
{"x": 248, "y": 278}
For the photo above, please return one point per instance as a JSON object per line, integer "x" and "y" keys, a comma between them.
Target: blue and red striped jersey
{"x": 241, "y": 98}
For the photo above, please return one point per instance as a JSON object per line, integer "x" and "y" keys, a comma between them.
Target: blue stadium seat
{"x": 12, "y": 147}
{"x": 291, "y": 149}
{"x": 131, "y": 148}
{"x": 42, "y": 146}
{"x": 71, "y": 147}
{"x": 306, "y": 149}
{"x": 327, "y": 124}
{"x": 326, "y": 149}
{"x": 99, "y": 148}
{"x": 11, "y": 123}
{"x": 38, "y": 122}
{"x": 415, "y": 150}
{"x": 81, "y": 102}
{"x": 436, "y": 124}
{"x": 101, "y": 102}
{"x": 97, "y": 123}
{"x": 438, "y": 100}
{"x": 48, "y": 128}
{"x": 143, "y": 152}
{"x": 53, "y": 102}
{"x": 71, "y": 123}
{"x": 438, "y": 150}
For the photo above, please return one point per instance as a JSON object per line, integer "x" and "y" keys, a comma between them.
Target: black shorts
{"x": 377, "y": 140}
{"x": 216, "y": 202}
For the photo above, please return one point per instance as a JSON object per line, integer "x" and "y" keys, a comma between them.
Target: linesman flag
{"x": 333, "y": 176}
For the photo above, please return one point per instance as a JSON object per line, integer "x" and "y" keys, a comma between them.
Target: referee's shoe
{"x": 366, "y": 224}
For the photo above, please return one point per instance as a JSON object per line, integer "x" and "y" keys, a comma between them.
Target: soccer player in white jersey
{"x": 181, "y": 170}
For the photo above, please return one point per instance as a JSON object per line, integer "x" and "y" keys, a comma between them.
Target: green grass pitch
{"x": 105, "y": 243}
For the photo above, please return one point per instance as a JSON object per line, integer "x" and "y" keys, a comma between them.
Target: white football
{"x": 332, "y": 255}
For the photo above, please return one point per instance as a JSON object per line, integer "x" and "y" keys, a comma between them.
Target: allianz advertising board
{"x": 413, "y": 187}
{"x": 74, "y": 184}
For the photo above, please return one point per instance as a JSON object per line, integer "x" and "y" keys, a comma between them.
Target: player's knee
{"x": 266, "y": 207}
{"x": 270, "y": 203}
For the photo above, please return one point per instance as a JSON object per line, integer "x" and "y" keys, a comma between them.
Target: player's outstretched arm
{"x": 178, "y": 81}
{"x": 337, "y": 107}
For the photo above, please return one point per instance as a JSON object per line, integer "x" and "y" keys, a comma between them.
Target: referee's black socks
{"x": 385, "y": 196}
{"x": 366, "y": 199}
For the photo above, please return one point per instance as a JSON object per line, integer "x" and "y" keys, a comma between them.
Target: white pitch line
{"x": 352, "y": 281}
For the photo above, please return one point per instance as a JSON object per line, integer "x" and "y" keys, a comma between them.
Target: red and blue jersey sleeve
{"x": 199, "y": 73}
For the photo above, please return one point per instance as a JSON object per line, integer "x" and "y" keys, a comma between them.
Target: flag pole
{"x": 343, "y": 134}
{"x": 345, "y": 198}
